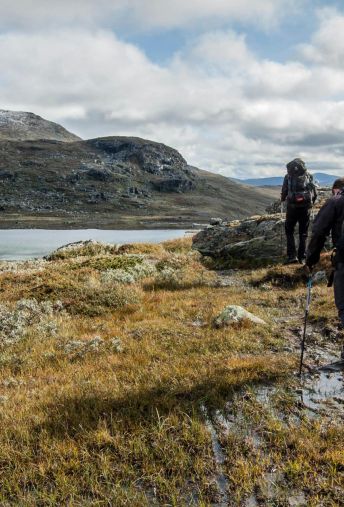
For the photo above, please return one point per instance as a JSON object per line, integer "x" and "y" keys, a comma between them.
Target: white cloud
{"x": 223, "y": 107}
{"x": 142, "y": 15}
{"x": 168, "y": 14}
{"x": 220, "y": 49}
{"x": 74, "y": 68}
{"x": 327, "y": 44}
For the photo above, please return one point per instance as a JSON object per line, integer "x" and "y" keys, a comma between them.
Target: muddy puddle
{"x": 316, "y": 394}
{"x": 323, "y": 390}
{"x": 219, "y": 456}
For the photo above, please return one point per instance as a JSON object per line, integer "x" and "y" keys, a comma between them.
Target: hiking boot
{"x": 292, "y": 260}
{"x": 302, "y": 260}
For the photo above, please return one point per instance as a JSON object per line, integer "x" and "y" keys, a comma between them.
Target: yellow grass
{"x": 109, "y": 426}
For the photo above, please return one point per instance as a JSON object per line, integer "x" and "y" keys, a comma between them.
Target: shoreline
{"x": 104, "y": 222}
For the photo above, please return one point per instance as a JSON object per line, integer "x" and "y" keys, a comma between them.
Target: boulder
{"x": 232, "y": 314}
{"x": 258, "y": 240}
{"x": 255, "y": 237}
{"x": 216, "y": 221}
{"x": 274, "y": 207}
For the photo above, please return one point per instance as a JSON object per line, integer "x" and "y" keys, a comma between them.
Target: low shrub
{"x": 125, "y": 262}
{"x": 185, "y": 277}
{"x": 130, "y": 274}
{"x": 94, "y": 301}
{"x": 82, "y": 249}
{"x": 82, "y": 293}
{"x": 141, "y": 248}
{"x": 180, "y": 245}
{"x": 16, "y": 322}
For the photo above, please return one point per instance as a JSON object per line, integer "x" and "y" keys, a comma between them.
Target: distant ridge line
{"x": 321, "y": 179}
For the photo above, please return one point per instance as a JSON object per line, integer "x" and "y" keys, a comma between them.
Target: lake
{"x": 23, "y": 244}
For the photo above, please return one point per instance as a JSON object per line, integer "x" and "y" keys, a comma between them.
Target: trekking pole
{"x": 281, "y": 228}
{"x": 308, "y": 302}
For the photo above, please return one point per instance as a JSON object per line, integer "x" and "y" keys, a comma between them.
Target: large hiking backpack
{"x": 300, "y": 184}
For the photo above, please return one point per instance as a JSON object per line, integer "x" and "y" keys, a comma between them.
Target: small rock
{"x": 12, "y": 382}
{"x": 116, "y": 344}
{"x": 265, "y": 287}
{"x": 297, "y": 500}
{"x": 232, "y": 314}
{"x": 137, "y": 334}
{"x": 79, "y": 348}
{"x": 216, "y": 221}
{"x": 198, "y": 323}
{"x": 320, "y": 277}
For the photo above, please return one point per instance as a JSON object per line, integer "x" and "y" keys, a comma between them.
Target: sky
{"x": 239, "y": 87}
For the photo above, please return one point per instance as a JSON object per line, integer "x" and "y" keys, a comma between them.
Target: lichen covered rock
{"x": 233, "y": 314}
{"x": 256, "y": 237}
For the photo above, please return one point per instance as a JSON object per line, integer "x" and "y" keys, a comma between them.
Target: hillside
{"x": 121, "y": 383}
{"x": 23, "y": 126}
{"x": 114, "y": 182}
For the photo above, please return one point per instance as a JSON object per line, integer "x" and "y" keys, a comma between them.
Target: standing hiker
{"x": 330, "y": 220}
{"x": 299, "y": 192}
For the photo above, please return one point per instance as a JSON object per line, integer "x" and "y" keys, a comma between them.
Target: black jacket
{"x": 328, "y": 220}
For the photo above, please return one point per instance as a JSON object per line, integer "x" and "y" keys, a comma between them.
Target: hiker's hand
{"x": 309, "y": 265}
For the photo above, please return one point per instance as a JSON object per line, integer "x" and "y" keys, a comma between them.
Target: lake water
{"x": 22, "y": 244}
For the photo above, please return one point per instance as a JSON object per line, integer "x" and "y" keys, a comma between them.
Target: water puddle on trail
{"x": 319, "y": 393}
{"x": 220, "y": 478}
{"x": 322, "y": 389}
{"x": 237, "y": 425}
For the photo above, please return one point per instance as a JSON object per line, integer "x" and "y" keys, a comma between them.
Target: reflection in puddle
{"x": 221, "y": 479}
{"x": 323, "y": 388}
{"x": 321, "y": 392}
{"x": 251, "y": 501}
{"x": 238, "y": 425}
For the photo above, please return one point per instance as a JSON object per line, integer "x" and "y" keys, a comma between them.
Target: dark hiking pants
{"x": 338, "y": 285}
{"x": 302, "y": 217}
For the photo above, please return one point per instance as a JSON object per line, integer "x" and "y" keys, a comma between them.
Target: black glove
{"x": 311, "y": 260}
{"x": 309, "y": 265}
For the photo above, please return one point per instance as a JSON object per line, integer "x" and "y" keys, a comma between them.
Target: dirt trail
{"x": 315, "y": 395}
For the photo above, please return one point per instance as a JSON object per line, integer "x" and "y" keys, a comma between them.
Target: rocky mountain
{"x": 113, "y": 182}
{"x": 23, "y": 126}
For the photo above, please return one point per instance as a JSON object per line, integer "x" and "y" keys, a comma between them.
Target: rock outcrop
{"x": 149, "y": 156}
{"x": 256, "y": 240}
{"x": 256, "y": 237}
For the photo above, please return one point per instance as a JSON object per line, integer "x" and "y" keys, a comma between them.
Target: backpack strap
{"x": 289, "y": 186}
{"x": 310, "y": 179}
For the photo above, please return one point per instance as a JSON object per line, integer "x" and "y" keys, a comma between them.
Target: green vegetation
{"x": 110, "y": 385}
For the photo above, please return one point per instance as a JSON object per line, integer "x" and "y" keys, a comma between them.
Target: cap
{"x": 338, "y": 183}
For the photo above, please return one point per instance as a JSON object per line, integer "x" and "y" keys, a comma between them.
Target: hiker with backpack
{"x": 299, "y": 192}
{"x": 330, "y": 219}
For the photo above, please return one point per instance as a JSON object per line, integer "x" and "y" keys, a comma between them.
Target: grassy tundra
{"x": 116, "y": 389}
